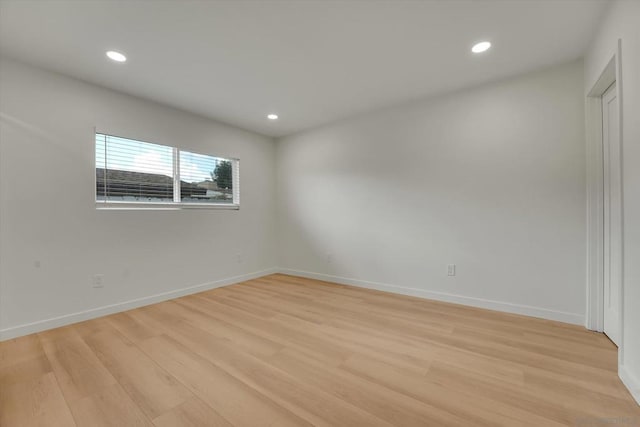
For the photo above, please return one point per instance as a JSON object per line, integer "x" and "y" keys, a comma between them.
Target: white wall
{"x": 623, "y": 22}
{"x": 47, "y": 213}
{"x": 491, "y": 179}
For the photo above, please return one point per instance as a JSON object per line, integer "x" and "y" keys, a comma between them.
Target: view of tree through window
{"x": 222, "y": 174}
{"x": 201, "y": 180}
{"x": 140, "y": 172}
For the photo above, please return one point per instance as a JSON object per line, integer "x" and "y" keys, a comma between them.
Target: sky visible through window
{"x": 135, "y": 156}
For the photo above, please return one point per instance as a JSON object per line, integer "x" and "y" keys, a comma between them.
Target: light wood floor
{"x": 286, "y": 351}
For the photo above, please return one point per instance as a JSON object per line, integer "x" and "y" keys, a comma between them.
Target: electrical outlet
{"x": 329, "y": 258}
{"x": 451, "y": 270}
{"x": 97, "y": 281}
{"x": 239, "y": 258}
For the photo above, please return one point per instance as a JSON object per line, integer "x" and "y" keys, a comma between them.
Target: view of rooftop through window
{"x": 134, "y": 171}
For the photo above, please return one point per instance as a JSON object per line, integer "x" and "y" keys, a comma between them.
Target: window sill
{"x": 154, "y": 206}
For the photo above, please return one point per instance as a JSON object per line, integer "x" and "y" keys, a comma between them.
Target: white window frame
{"x": 177, "y": 203}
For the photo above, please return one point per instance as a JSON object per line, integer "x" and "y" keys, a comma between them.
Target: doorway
{"x": 605, "y": 221}
{"x": 612, "y": 214}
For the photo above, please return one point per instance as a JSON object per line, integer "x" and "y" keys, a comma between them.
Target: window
{"x": 140, "y": 174}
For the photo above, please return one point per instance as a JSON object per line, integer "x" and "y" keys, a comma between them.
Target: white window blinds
{"x": 136, "y": 172}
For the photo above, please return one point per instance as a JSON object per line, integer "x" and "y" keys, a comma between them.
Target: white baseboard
{"x": 55, "y": 322}
{"x": 561, "y": 316}
{"x": 630, "y": 381}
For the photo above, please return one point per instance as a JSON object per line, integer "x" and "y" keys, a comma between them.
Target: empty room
{"x": 319, "y": 212}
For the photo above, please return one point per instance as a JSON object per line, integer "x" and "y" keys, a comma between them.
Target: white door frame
{"x": 595, "y": 195}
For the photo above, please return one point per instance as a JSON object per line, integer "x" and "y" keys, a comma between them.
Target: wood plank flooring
{"x": 288, "y": 351}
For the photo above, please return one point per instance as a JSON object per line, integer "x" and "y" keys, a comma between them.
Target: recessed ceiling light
{"x": 480, "y": 47}
{"x": 116, "y": 56}
{"x": 272, "y": 116}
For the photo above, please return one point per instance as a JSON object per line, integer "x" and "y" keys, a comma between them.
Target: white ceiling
{"x": 311, "y": 62}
